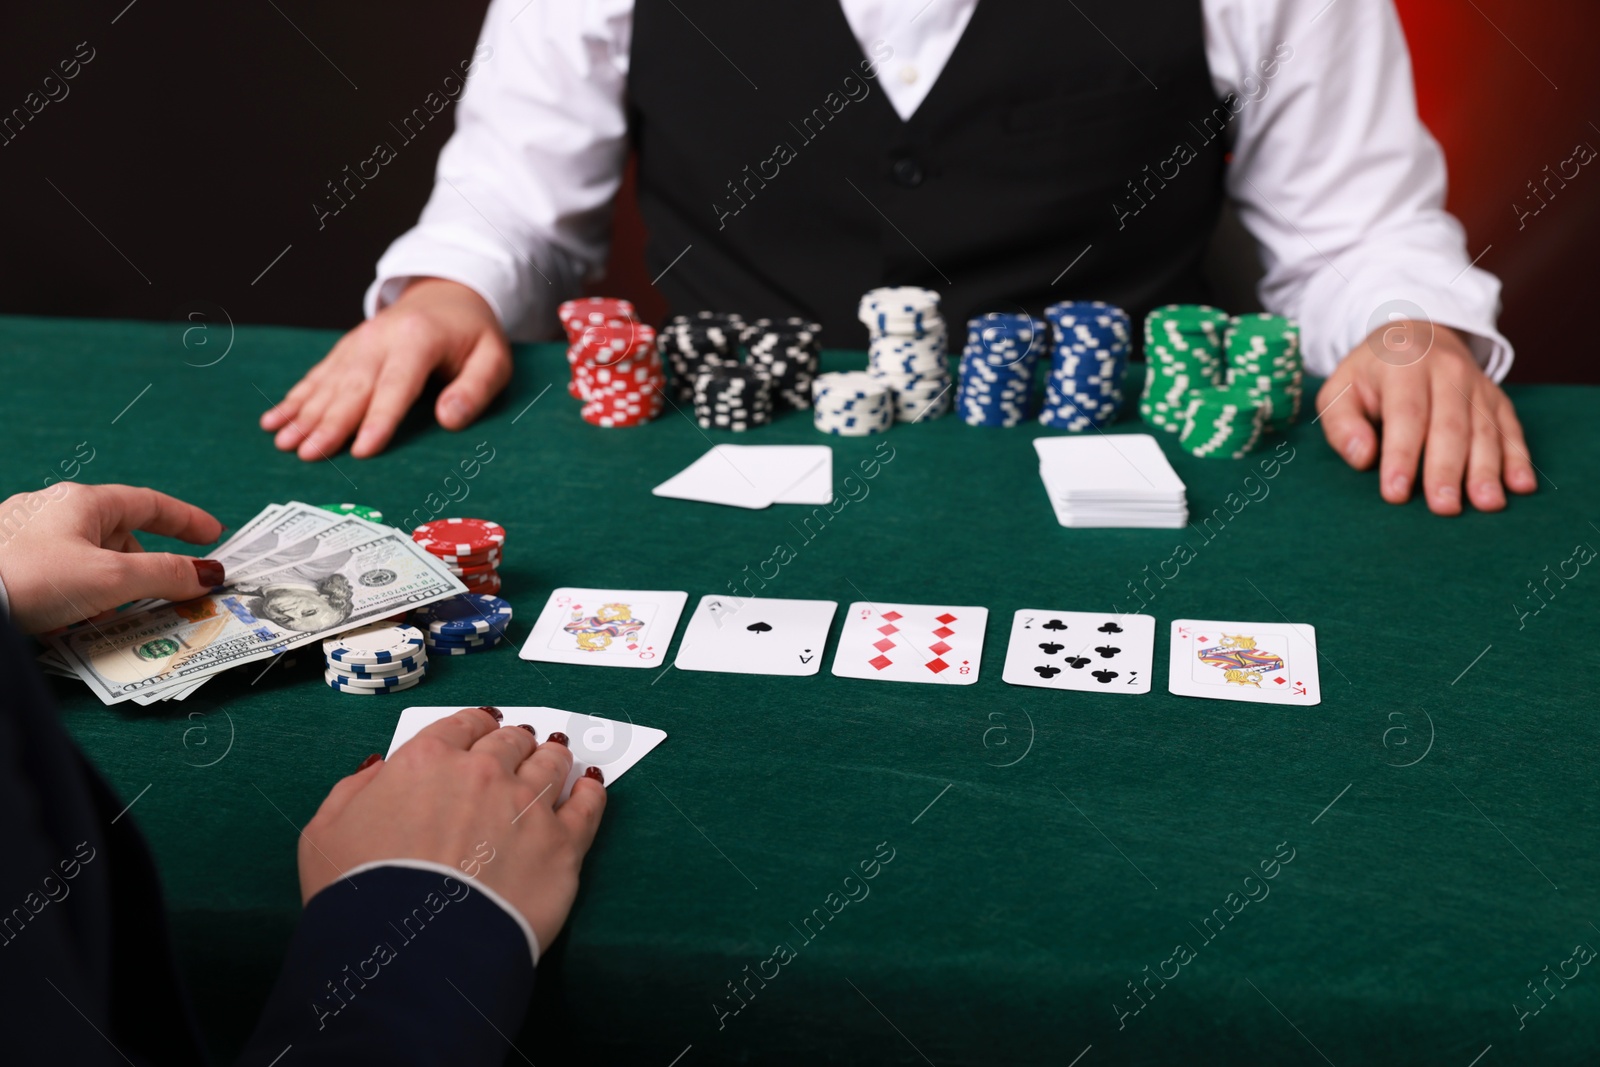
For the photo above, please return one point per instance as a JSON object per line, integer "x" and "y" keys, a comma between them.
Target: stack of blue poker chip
{"x": 474, "y": 622}
{"x": 907, "y": 350}
{"x": 997, "y": 367}
{"x": 1087, "y": 361}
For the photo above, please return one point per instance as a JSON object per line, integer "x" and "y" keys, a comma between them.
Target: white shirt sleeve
{"x": 521, "y": 203}
{"x": 1338, "y": 180}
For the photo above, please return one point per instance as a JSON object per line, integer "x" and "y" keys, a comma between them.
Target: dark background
{"x": 198, "y": 138}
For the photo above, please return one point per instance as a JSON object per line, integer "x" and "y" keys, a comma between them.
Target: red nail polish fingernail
{"x": 498, "y": 717}
{"x": 369, "y": 761}
{"x": 210, "y": 572}
{"x": 596, "y": 773}
{"x": 559, "y": 738}
{"x": 531, "y": 731}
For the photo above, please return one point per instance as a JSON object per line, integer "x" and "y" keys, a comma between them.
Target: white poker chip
{"x": 375, "y": 643}
{"x": 340, "y": 680}
{"x": 404, "y": 665}
{"x": 341, "y": 686}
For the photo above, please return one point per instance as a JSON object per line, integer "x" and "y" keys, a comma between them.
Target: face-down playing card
{"x": 1255, "y": 662}
{"x": 911, "y": 643}
{"x": 756, "y": 635}
{"x": 1081, "y": 650}
{"x": 606, "y": 627}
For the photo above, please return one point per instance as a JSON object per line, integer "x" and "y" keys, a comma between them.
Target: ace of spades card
{"x": 756, "y": 635}
{"x": 606, "y": 627}
{"x": 1254, "y": 662}
{"x": 1081, "y": 651}
{"x": 911, "y": 643}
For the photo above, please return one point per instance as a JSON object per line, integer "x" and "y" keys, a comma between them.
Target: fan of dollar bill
{"x": 296, "y": 574}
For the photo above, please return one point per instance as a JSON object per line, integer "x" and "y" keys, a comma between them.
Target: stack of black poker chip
{"x": 788, "y": 352}
{"x": 692, "y": 343}
{"x": 732, "y": 398}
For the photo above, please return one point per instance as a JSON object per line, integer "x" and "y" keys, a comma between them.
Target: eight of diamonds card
{"x": 756, "y": 635}
{"x": 911, "y": 643}
{"x": 1081, "y": 650}
{"x": 606, "y": 627}
{"x": 1257, "y": 662}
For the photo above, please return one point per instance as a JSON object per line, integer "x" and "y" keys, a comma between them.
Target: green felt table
{"x": 1439, "y": 805}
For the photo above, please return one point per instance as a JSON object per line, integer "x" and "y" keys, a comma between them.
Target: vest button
{"x": 907, "y": 172}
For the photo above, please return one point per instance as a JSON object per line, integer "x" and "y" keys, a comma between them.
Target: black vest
{"x": 765, "y": 141}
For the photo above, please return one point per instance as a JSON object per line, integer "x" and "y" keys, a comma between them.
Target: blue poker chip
{"x": 461, "y": 648}
{"x": 436, "y": 640}
{"x": 470, "y": 613}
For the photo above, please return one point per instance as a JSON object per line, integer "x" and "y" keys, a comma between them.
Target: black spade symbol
{"x": 1047, "y": 672}
{"x": 1055, "y": 624}
{"x": 1110, "y": 628}
{"x": 1050, "y": 648}
{"x": 1106, "y": 651}
{"x": 759, "y": 627}
{"x": 1077, "y": 663}
{"x": 1104, "y": 677}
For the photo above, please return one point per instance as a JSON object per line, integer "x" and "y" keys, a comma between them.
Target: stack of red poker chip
{"x": 469, "y": 548}
{"x": 590, "y": 311}
{"x": 619, "y": 375}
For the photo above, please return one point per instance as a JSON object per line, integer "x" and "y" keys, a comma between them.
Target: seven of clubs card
{"x": 911, "y": 643}
{"x": 606, "y": 627}
{"x": 756, "y": 635}
{"x": 1081, "y": 650}
{"x": 1259, "y": 663}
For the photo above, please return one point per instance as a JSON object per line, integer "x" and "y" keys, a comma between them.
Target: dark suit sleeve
{"x": 397, "y": 966}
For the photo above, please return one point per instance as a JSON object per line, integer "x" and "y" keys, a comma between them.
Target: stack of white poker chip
{"x": 851, "y": 404}
{"x": 372, "y": 660}
{"x": 907, "y": 350}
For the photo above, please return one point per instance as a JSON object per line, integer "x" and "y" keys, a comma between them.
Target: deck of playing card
{"x": 1080, "y": 650}
{"x": 755, "y": 476}
{"x": 1256, "y": 662}
{"x": 606, "y": 627}
{"x": 612, "y": 746}
{"x": 1121, "y": 480}
{"x": 911, "y": 643}
{"x": 756, "y": 635}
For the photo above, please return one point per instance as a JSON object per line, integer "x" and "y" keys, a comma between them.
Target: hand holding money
{"x": 67, "y": 552}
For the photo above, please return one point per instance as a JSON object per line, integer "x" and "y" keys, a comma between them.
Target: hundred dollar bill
{"x": 257, "y": 615}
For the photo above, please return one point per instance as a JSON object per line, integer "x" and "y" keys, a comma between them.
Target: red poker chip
{"x": 489, "y": 584}
{"x": 592, "y": 310}
{"x": 447, "y": 538}
{"x": 473, "y": 570}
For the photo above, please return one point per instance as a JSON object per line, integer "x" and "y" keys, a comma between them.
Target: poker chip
{"x": 485, "y": 583}
{"x": 1220, "y": 383}
{"x": 404, "y": 665}
{"x": 438, "y": 647}
{"x": 788, "y": 353}
{"x": 465, "y": 615}
{"x": 1088, "y": 360}
{"x": 451, "y": 539}
{"x": 359, "y": 510}
{"x": 694, "y": 343}
{"x": 997, "y": 369}
{"x": 907, "y": 353}
{"x": 358, "y": 686}
{"x": 851, "y": 404}
{"x": 374, "y": 643}
{"x": 732, "y": 398}
{"x": 583, "y": 315}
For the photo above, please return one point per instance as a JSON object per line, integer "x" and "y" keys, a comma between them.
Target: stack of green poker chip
{"x": 1226, "y": 423}
{"x": 360, "y": 511}
{"x": 1183, "y": 351}
{"x": 1263, "y": 353}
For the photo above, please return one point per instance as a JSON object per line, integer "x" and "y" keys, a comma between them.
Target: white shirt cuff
{"x": 460, "y": 876}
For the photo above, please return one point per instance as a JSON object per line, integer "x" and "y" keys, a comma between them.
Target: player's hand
{"x": 1435, "y": 405}
{"x": 377, "y": 371}
{"x": 472, "y": 795}
{"x": 68, "y": 553}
